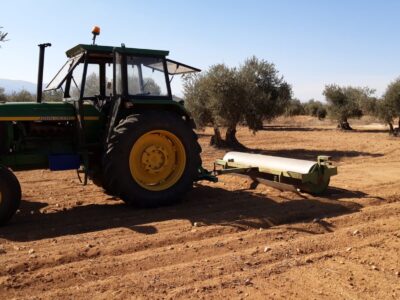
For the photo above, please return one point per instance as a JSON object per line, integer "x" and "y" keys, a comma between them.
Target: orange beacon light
{"x": 95, "y": 32}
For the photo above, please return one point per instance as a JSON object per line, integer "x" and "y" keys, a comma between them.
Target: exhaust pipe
{"x": 40, "y": 71}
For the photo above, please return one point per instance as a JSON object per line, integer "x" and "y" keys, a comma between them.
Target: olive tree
{"x": 388, "y": 108}
{"x": 370, "y": 106}
{"x": 386, "y": 113}
{"x": 294, "y": 108}
{"x": 224, "y": 97}
{"x": 3, "y": 96}
{"x": 196, "y": 95}
{"x": 345, "y": 103}
{"x": 315, "y": 109}
{"x": 266, "y": 93}
{"x": 21, "y": 96}
{"x": 215, "y": 98}
{"x": 53, "y": 96}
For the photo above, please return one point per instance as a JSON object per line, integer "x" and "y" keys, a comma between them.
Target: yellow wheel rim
{"x": 157, "y": 160}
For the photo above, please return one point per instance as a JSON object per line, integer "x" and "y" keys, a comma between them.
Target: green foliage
{"x": 151, "y": 87}
{"x": 385, "y": 111}
{"x": 369, "y": 106}
{"x": 215, "y": 98}
{"x": 3, "y": 96}
{"x": 266, "y": 94}
{"x": 53, "y": 96}
{"x": 225, "y": 93}
{"x": 22, "y": 96}
{"x": 315, "y": 109}
{"x": 346, "y": 102}
{"x": 388, "y": 108}
{"x": 294, "y": 108}
{"x": 321, "y": 113}
{"x": 392, "y": 96}
{"x": 92, "y": 85}
{"x": 197, "y": 99}
{"x": 225, "y": 97}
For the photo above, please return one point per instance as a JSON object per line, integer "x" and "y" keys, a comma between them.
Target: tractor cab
{"x": 98, "y": 73}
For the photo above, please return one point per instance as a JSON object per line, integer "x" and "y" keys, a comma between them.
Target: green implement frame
{"x": 315, "y": 181}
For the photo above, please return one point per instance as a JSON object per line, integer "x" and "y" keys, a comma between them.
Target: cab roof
{"x": 109, "y": 49}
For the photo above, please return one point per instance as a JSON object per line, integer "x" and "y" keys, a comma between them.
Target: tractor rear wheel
{"x": 10, "y": 195}
{"x": 152, "y": 159}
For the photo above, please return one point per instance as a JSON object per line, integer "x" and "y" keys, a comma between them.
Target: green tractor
{"x": 120, "y": 126}
{"x": 118, "y": 123}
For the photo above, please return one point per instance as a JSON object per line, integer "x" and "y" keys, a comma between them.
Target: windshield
{"x": 61, "y": 76}
{"x": 144, "y": 79}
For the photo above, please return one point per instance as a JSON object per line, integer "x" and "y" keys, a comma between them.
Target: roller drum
{"x": 271, "y": 162}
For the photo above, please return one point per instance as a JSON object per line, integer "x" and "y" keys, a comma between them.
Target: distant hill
{"x": 17, "y": 85}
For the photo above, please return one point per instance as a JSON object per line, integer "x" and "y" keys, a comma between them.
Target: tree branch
{"x": 3, "y": 35}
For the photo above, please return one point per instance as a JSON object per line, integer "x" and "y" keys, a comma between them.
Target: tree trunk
{"x": 397, "y": 130}
{"x": 230, "y": 138}
{"x": 344, "y": 124}
{"x": 391, "y": 130}
{"x": 216, "y": 139}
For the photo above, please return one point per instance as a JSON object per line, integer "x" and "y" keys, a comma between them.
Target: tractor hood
{"x": 32, "y": 111}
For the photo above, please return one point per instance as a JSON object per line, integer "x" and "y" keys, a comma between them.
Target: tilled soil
{"x": 225, "y": 240}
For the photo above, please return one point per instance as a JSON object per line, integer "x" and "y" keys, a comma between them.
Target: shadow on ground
{"x": 213, "y": 206}
{"x": 303, "y": 129}
{"x": 293, "y": 128}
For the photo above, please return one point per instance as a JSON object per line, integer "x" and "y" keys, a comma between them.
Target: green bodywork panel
{"x": 33, "y": 109}
{"x": 161, "y": 104}
{"x": 31, "y": 152}
{"x": 109, "y": 49}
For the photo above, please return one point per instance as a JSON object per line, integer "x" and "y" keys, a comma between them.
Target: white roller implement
{"x": 279, "y": 172}
{"x": 270, "y": 162}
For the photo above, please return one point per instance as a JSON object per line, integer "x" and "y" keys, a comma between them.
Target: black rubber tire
{"x": 117, "y": 178}
{"x": 10, "y": 195}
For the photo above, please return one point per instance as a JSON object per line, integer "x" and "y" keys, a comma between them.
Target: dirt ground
{"x": 225, "y": 240}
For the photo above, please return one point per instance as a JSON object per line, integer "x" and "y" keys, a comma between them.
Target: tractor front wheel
{"x": 152, "y": 159}
{"x": 10, "y": 195}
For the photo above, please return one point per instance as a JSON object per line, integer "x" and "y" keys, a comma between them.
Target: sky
{"x": 311, "y": 42}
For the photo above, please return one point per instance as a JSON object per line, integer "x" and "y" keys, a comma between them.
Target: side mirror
{"x": 109, "y": 85}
